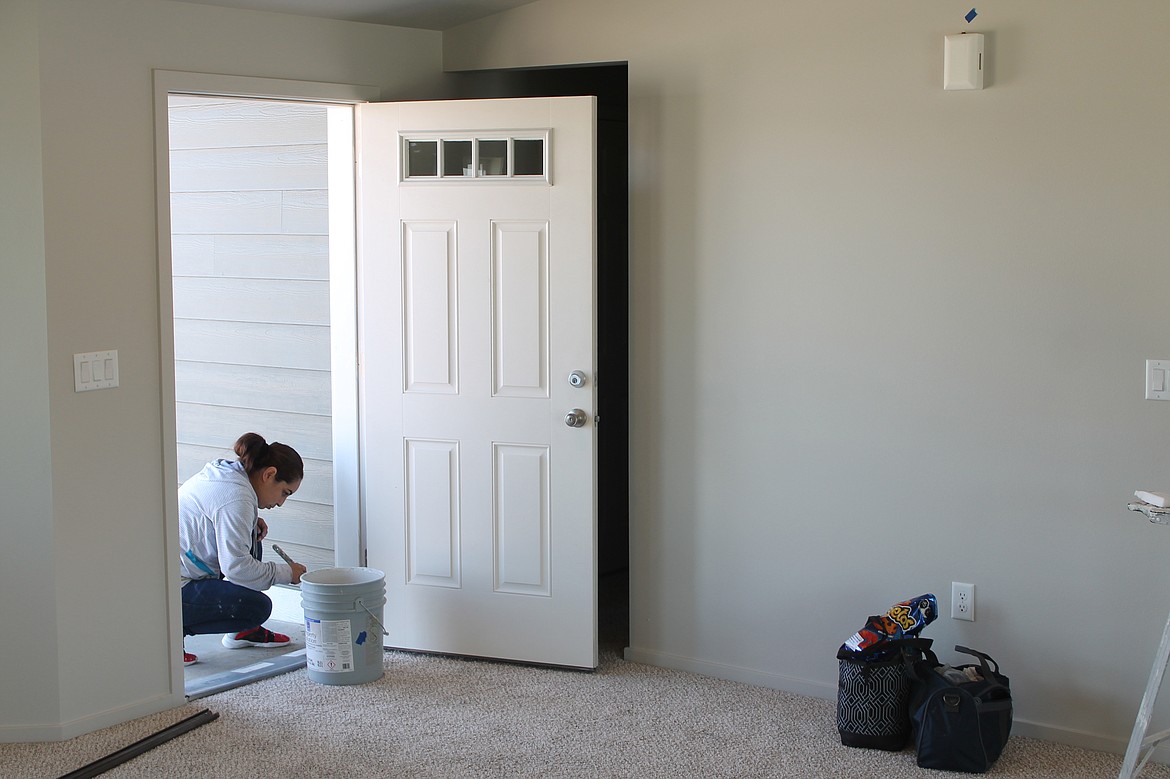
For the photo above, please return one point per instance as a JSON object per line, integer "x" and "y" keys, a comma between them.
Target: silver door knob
{"x": 576, "y": 418}
{"x": 577, "y": 379}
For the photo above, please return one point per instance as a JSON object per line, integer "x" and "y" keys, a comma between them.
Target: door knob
{"x": 576, "y": 418}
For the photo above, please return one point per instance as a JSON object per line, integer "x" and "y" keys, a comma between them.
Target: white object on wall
{"x": 95, "y": 370}
{"x": 1157, "y": 379}
{"x": 963, "y": 61}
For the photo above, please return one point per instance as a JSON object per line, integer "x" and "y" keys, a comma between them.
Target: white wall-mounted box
{"x": 963, "y": 61}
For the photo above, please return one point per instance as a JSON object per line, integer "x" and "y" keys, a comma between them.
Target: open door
{"x": 476, "y": 225}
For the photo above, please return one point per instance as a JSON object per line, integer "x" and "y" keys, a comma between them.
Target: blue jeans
{"x": 218, "y": 606}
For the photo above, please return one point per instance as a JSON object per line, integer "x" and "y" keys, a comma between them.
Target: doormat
{"x": 238, "y": 677}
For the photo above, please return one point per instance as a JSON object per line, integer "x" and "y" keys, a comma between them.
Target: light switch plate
{"x": 95, "y": 370}
{"x": 1157, "y": 379}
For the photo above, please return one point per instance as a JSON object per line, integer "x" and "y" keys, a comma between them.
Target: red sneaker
{"x": 260, "y": 636}
{"x": 189, "y": 659}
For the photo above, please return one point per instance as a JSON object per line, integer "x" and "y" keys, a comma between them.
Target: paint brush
{"x": 280, "y": 552}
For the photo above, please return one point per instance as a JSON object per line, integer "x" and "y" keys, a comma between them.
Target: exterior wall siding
{"x": 250, "y": 246}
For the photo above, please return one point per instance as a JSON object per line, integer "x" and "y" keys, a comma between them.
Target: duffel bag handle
{"x": 984, "y": 660}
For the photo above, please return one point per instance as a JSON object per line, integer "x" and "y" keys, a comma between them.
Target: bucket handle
{"x": 384, "y": 631}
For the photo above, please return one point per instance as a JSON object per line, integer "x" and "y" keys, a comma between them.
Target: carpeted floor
{"x": 449, "y": 718}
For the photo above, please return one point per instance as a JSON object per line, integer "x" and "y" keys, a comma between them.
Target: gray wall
{"x": 85, "y": 541}
{"x": 884, "y": 337}
{"x": 29, "y": 672}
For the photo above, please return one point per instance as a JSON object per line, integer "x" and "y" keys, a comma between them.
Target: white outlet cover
{"x": 958, "y": 591}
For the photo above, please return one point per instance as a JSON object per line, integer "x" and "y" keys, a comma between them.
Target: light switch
{"x": 1157, "y": 387}
{"x": 95, "y": 370}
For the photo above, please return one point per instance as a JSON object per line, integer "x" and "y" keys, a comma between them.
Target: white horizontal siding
{"x": 310, "y": 556}
{"x": 306, "y": 211}
{"x": 280, "y": 301}
{"x": 310, "y": 434}
{"x": 265, "y": 212}
{"x": 250, "y": 253}
{"x": 250, "y": 386}
{"x": 226, "y": 212}
{"x": 250, "y": 343}
{"x": 255, "y": 167}
{"x": 251, "y": 256}
{"x": 200, "y": 123}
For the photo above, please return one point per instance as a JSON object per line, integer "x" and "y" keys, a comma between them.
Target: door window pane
{"x": 527, "y": 157}
{"x": 493, "y": 158}
{"x": 457, "y": 158}
{"x": 422, "y": 158}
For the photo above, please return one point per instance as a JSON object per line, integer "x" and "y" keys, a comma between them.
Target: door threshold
{"x": 238, "y": 677}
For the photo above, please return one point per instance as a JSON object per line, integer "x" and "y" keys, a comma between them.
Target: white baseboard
{"x": 733, "y": 673}
{"x": 20, "y": 734}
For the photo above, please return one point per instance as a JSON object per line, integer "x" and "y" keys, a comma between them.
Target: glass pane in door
{"x": 528, "y": 157}
{"x": 493, "y": 158}
{"x": 457, "y": 158}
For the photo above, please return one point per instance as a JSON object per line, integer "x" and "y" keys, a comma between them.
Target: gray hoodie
{"x": 217, "y": 523}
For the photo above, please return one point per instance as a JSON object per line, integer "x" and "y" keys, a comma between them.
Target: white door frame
{"x": 343, "y": 313}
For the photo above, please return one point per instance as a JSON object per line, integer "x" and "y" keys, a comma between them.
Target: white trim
{"x": 732, "y": 673}
{"x": 166, "y": 83}
{"x": 182, "y": 82}
{"x": 89, "y": 723}
{"x": 348, "y": 539}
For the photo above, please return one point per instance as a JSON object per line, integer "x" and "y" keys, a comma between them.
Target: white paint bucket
{"x": 343, "y": 624}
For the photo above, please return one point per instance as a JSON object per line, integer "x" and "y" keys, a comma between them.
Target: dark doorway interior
{"x": 609, "y": 83}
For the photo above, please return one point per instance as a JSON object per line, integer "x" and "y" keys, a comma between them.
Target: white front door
{"x": 476, "y": 306}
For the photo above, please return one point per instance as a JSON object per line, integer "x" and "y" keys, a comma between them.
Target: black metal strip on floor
{"x": 144, "y": 745}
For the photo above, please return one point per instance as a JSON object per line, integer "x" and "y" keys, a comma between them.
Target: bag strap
{"x": 993, "y": 678}
{"x": 917, "y": 669}
{"x": 921, "y": 644}
{"x": 984, "y": 660}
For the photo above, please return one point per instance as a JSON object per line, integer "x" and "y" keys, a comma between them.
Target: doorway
{"x": 608, "y": 82}
{"x": 251, "y": 212}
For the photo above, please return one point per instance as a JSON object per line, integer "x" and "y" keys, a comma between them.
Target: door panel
{"x": 476, "y": 301}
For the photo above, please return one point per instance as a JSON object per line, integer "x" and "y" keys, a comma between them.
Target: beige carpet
{"x": 448, "y": 718}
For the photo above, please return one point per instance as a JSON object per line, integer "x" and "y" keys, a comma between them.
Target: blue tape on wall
{"x": 970, "y": 15}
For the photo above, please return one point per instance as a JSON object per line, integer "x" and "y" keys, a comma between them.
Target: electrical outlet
{"x": 963, "y": 601}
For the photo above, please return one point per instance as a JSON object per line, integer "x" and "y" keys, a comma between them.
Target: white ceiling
{"x": 421, "y": 14}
